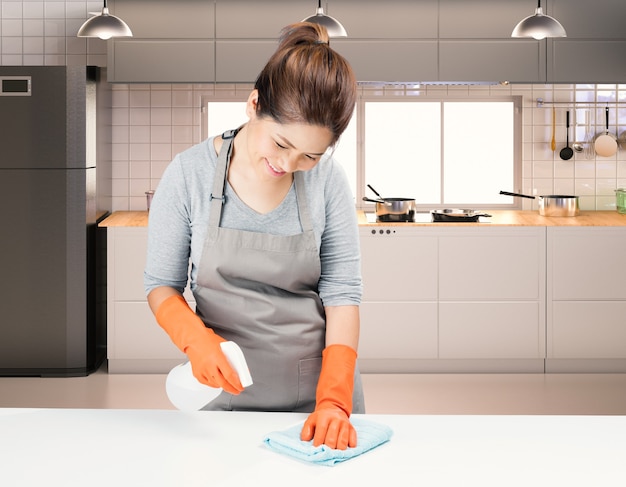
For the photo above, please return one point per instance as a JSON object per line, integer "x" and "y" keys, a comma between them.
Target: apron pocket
{"x": 308, "y": 374}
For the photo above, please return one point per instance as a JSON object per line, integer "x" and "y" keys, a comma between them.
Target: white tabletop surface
{"x": 105, "y": 447}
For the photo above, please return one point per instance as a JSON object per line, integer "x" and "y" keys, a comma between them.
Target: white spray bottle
{"x": 188, "y": 394}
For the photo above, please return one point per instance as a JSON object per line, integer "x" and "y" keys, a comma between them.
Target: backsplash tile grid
{"x": 43, "y": 33}
{"x": 154, "y": 122}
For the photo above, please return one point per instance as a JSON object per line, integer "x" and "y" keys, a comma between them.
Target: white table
{"x": 89, "y": 448}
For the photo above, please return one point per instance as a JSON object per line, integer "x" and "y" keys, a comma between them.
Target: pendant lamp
{"x": 333, "y": 26}
{"x": 539, "y": 26}
{"x": 104, "y": 26}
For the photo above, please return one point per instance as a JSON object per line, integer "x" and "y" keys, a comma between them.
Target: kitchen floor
{"x": 581, "y": 394}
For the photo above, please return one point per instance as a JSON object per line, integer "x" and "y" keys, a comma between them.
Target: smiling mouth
{"x": 274, "y": 170}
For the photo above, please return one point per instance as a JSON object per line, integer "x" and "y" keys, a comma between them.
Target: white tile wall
{"x": 43, "y": 33}
{"x": 151, "y": 123}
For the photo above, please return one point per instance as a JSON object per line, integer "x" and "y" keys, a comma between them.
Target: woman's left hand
{"x": 330, "y": 427}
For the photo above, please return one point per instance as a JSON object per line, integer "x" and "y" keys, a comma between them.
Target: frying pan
{"x": 606, "y": 144}
{"x": 456, "y": 215}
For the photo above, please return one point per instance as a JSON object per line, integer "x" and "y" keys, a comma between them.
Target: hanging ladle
{"x": 566, "y": 152}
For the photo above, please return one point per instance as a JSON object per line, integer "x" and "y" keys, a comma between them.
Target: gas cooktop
{"x": 420, "y": 217}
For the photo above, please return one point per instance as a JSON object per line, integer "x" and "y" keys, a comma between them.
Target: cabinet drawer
{"x": 399, "y": 268}
{"x": 127, "y": 263}
{"x": 587, "y": 330}
{"x": 490, "y": 331}
{"x": 127, "y": 260}
{"x": 491, "y": 267}
{"x": 587, "y": 263}
{"x": 398, "y": 331}
{"x": 137, "y": 335}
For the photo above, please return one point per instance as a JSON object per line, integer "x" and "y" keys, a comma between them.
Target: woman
{"x": 269, "y": 224}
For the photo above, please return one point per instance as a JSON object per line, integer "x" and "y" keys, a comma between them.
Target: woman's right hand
{"x": 209, "y": 364}
{"x": 201, "y": 345}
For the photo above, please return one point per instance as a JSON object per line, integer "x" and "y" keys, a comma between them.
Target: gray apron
{"x": 260, "y": 291}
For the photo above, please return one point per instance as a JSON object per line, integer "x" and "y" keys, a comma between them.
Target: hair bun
{"x": 303, "y": 33}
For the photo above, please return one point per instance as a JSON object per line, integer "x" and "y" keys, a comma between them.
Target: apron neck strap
{"x": 221, "y": 169}
{"x": 303, "y": 207}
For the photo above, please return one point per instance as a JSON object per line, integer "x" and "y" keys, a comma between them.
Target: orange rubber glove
{"x": 202, "y": 346}
{"x": 330, "y": 422}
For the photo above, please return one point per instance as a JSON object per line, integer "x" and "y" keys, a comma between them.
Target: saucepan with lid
{"x": 553, "y": 204}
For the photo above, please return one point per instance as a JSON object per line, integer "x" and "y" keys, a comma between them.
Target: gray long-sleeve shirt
{"x": 179, "y": 216}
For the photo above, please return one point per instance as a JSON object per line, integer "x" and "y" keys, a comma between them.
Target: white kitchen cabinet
{"x": 586, "y": 299}
{"x": 437, "y": 298}
{"x": 399, "y": 308}
{"x": 453, "y": 299}
{"x": 135, "y": 342}
{"x": 393, "y": 336}
{"x": 491, "y": 264}
{"x": 588, "y": 330}
{"x": 400, "y": 265}
{"x": 491, "y": 330}
{"x": 492, "y": 293}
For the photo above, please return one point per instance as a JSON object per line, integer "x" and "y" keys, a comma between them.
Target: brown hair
{"x": 305, "y": 81}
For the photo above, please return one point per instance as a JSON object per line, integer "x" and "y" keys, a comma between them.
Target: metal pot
{"x": 553, "y": 204}
{"x": 394, "y": 209}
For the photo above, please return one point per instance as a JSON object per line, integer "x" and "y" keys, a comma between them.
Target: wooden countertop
{"x": 527, "y": 218}
{"x": 498, "y": 217}
{"x": 126, "y": 219}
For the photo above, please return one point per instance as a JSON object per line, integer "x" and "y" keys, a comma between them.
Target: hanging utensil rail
{"x": 541, "y": 103}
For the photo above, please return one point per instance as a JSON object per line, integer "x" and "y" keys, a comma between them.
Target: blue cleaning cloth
{"x": 288, "y": 442}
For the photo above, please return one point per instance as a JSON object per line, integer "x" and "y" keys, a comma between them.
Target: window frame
{"x": 240, "y": 94}
{"x": 362, "y": 190}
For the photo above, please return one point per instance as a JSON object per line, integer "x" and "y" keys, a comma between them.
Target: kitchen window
{"x": 444, "y": 153}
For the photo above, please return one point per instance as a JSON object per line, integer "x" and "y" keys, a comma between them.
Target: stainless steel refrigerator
{"x": 54, "y": 188}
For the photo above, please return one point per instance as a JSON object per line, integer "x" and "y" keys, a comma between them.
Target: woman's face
{"x": 278, "y": 150}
